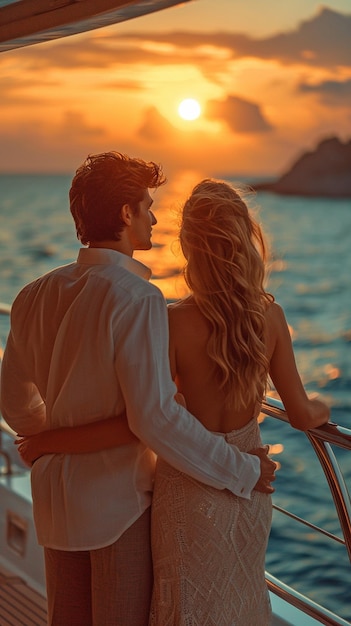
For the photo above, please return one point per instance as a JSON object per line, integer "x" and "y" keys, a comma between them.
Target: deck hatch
{"x": 16, "y": 532}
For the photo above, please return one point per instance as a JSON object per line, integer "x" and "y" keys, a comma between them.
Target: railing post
{"x": 8, "y": 468}
{"x": 337, "y": 485}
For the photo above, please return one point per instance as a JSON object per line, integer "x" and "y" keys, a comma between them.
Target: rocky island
{"x": 325, "y": 172}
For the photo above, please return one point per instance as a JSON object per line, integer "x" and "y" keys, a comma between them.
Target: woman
{"x": 226, "y": 338}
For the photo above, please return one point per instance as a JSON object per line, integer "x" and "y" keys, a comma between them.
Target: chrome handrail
{"x": 321, "y": 439}
{"x": 4, "y": 427}
{"x": 7, "y": 471}
{"x": 5, "y": 309}
{"x": 306, "y": 605}
{"x": 330, "y": 433}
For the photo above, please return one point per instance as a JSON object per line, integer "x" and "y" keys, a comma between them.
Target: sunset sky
{"x": 273, "y": 78}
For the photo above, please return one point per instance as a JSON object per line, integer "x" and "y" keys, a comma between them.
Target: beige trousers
{"x": 111, "y": 586}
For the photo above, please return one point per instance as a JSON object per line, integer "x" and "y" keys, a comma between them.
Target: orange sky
{"x": 271, "y": 84}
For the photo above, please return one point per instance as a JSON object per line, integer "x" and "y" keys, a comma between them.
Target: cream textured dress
{"x": 209, "y": 549}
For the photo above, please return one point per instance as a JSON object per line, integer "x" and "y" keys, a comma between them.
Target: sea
{"x": 309, "y": 275}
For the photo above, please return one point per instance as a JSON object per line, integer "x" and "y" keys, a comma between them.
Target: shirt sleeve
{"x": 142, "y": 367}
{"x": 21, "y": 404}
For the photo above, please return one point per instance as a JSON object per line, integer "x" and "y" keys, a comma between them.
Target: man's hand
{"x": 268, "y": 468}
{"x": 28, "y": 449}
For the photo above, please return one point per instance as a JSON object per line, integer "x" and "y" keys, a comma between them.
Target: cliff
{"x": 326, "y": 172}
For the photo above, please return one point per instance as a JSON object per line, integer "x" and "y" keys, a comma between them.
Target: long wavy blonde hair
{"x": 226, "y": 254}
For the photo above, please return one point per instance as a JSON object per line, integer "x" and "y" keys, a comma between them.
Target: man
{"x": 87, "y": 341}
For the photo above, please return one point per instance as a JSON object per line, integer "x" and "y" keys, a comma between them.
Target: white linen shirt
{"x": 88, "y": 340}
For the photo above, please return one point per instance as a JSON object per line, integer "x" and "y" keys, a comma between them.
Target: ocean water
{"x": 310, "y": 276}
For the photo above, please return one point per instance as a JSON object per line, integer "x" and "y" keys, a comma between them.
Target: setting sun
{"x": 189, "y": 109}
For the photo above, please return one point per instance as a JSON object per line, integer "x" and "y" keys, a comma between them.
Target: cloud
{"x": 323, "y": 40}
{"x": 123, "y": 85}
{"x": 70, "y": 55}
{"x": 74, "y": 126}
{"x": 332, "y": 92}
{"x": 13, "y": 89}
{"x": 240, "y": 115}
{"x": 46, "y": 146}
{"x": 95, "y": 53}
{"x": 155, "y": 127}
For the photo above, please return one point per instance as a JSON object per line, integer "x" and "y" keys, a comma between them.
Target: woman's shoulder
{"x": 185, "y": 315}
{"x": 274, "y": 311}
{"x": 275, "y": 318}
{"x": 179, "y": 307}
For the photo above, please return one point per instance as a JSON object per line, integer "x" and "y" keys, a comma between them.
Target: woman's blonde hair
{"x": 226, "y": 253}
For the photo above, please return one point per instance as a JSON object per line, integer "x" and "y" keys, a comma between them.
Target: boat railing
{"x": 5, "y": 309}
{"x": 322, "y": 439}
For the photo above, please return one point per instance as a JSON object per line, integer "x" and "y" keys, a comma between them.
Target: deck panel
{"x": 19, "y": 604}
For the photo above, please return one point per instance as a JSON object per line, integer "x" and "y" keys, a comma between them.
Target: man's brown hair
{"x": 102, "y": 185}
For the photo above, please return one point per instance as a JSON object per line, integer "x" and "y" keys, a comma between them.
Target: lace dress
{"x": 209, "y": 549}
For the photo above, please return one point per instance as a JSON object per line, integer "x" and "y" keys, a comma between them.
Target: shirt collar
{"x": 105, "y": 256}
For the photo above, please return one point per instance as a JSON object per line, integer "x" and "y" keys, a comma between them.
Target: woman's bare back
{"x": 194, "y": 374}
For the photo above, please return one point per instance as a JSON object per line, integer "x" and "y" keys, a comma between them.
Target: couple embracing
{"x": 121, "y": 403}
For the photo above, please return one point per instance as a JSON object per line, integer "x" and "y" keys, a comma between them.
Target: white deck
{"x": 22, "y": 581}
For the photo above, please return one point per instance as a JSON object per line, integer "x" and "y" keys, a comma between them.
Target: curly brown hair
{"x": 102, "y": 185}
